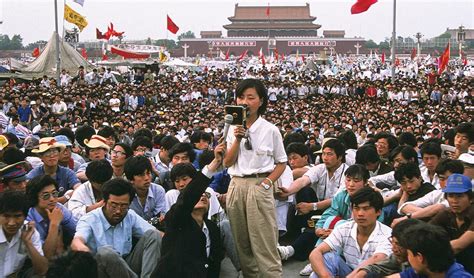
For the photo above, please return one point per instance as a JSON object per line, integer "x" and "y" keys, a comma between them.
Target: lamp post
{"x": 185, "y": 47}
{"x": 461, "y": 38}
{"x": 418, "y": 36}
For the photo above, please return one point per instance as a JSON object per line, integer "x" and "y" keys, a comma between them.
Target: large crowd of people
{"x": 138, "y": 176}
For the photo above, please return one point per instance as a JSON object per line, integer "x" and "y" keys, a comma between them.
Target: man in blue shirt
{"x": 430, "y": 253}
{"x": 24, "y": 112}
{"x": 107, "y": 232}
{"x": 149, "y": 200}
{"x": 48, "y": 150}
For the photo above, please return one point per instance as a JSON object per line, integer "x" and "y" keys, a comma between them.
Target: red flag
{"x": 242, "y": 55}
{"x": 268, "y": 10}
{"x": 383, "y": 57}
{"x": 227, "y": 54}
{"x": 464, "y": 61}
{"x": 302, "y": 57}
{"x": 36, "y": 52}
{"x": 413, "y": 54}
{"x": 104, "y": 57}
{"x": 362, "y": 6}
{"x": 444, "y": 59}
{"x": 84, "y": 53}
{"x": 172, "y": 27}
{"x": 99, "y": 35}
{"x": 276, "y": 54}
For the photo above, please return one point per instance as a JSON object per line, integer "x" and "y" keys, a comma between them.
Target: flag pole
{"x": 394, "y": 33}
{"x": 58, "y": 60}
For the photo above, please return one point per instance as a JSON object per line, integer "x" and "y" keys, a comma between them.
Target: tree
{"x": 169, "y": 44}
{"x": 370, "y": 44}
{"x": 187, "y": 35}
{"x": 385, "y": 44}
{"x": 34, "y": 45}
{"x": 4, "y": 42}
{"x": 16, "y": 42}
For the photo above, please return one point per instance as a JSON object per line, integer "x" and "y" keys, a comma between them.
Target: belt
{"x": 257, "y": 175}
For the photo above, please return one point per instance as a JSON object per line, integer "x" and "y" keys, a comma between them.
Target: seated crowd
{"x": 373, "y": 201}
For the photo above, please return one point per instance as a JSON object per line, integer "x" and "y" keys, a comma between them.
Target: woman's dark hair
{"x": 367, "y": 194}
{"x": 117, "y": 187}
{"x": 432, "y": 242}
{"x": 367, "y": 154}
{"x": 407, "y": 170}
{"x": 182, "y": 148}
{"x": 13, "y": 201}
{"x": 135, "y": 166}
{"x": 349, "y": 139}
{"x": 294, "y": 137}
{"x": 99, "y": 171}
{"x": 357, "y": 171}
{"x": 181, "y": 170}
{"x": 407, "y": 152}
{"x": 35, "y": 185}
{"x": 142, "y": 141}
{"x": 258, "y": 86}
{"x": 126, "y": 148}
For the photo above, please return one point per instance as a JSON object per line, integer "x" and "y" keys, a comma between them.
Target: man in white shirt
{"x": 19, "y": 240}
{"x": 59, "y": 108}
{"x": 114, "y": 103}
{"x": 361, "y": 242}
{"x": 325, "y": 178}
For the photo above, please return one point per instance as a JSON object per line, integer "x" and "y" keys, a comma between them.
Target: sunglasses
{"x": 248, "y": 144}
{"x": 117, "y": 153}
{"x": 46, "y": 196}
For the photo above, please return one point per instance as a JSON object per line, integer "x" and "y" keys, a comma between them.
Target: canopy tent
{"x": 45, "y": 64}
{"x": 179, "y": 63}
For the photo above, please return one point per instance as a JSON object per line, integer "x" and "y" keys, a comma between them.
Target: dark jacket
{"x": 183, "y": 250}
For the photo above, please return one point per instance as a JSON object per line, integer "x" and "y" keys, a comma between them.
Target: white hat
{"x": 33, "y": 102}
{"x": 467, "y": 158}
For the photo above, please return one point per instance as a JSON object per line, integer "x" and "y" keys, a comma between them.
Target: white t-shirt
{"x": 343, "y": 240}
{"x": 267, "y": 149}
{"x": 324, "y": 186}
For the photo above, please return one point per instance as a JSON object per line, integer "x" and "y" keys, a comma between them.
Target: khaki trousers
{"x": 251, "y": 211}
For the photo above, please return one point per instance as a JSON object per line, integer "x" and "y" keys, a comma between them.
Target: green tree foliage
{"x": 371, "y": 44}
{"x": 169, "y": 44}
{"x": 187, "y": 35}
{"x": 15, "y": 43}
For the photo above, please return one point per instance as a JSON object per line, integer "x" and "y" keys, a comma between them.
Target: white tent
{"x": 45, "y": 64}
{"x": 179, "y": 63}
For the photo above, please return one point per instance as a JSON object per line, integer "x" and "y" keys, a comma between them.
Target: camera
{"x": 238, "y": 112}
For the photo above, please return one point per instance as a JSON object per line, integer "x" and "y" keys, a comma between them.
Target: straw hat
{"x": 325, "y": 140}
{"x": 48, "y": 143}
{"x": 3, "y": 142}
{"x": 96, "y": 142}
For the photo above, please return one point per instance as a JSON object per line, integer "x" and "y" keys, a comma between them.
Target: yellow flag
{"x": 75, "y": 18}
{"x": 163, "y": 57}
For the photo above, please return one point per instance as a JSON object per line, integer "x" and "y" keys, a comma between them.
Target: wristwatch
{"x": 265, "y": 185}
{"x": 315, "y": 206}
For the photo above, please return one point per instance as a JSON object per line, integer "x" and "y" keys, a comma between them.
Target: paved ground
{"x": 291, "y": 269}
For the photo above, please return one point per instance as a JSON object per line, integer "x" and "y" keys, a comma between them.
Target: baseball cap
{"x": 14, "y": 172}
{"x": 458, "y": 183}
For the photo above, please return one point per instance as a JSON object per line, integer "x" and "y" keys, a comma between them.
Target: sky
{"x": 140, "y": 19}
